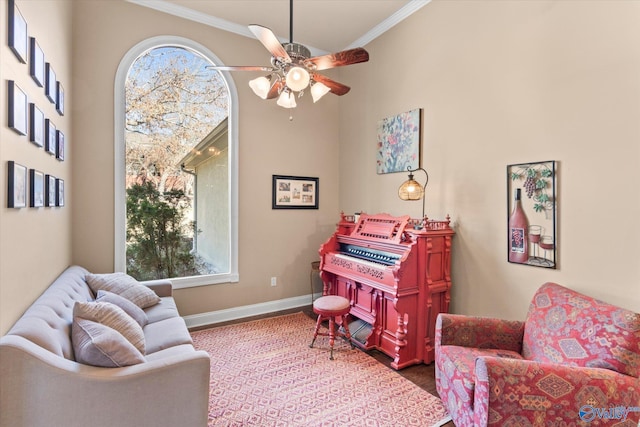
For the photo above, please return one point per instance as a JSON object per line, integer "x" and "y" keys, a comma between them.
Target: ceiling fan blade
{"x": 275, "y": 90}
{"x": 239, "y": 68}
{"x": 270, "y": 41}
{"x": 339, "y": 59}
{"x": 335, "y": 87}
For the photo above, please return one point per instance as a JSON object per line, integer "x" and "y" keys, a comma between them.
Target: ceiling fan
{"x": 294, "y": 70}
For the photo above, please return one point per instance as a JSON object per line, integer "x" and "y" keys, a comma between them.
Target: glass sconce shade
{"x": 297, "y": 79}
{"x": 287, "y": 99}
{"x": 260, "y": 86}
{"x": 318, "y": 90}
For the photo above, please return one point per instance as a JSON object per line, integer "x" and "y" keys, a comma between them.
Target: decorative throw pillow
{"x": 124, "y": 285}
{"x": 99, "y": 345}
{"x": 114, "y": 317}
{"x": 130, "y": 308}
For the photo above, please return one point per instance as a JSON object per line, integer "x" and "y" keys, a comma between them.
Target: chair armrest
{"x": 162, "y": 287}
{"x": 546, "y": 394}
{"x": 479, "y": 332}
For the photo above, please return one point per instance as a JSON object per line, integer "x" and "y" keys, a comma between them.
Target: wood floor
{"x": 421, "y": 375}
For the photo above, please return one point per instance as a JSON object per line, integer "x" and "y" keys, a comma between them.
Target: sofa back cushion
{"x": 564, "y": 326}
{"x": 47, "y": 322}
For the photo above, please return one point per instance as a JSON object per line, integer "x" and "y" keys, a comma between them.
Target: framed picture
{"x": 17, "y": 187}
{"x": 50, "y": 190}
{"x": 294, "y": 192}
{"x": 50, "y": 83}
{"x": 60, "y": 146}
{"x": 17, "y": 108}
{"x": 60, "y": 98}
{"x": 36, "y": 62}
{"x": 59, "y": 192}
{"x": 17, "y": 32}
{"x": 50, "y": 137}
{"x": 36, "y": 125}
{"x": 399, "y": 139}
{"x": 36, "y": 187}
{"x": 531, "y": 210}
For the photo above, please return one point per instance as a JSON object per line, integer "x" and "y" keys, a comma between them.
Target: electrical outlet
{"x": 274, "y": 281}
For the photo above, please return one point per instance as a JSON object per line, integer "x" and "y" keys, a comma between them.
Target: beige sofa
{"x": 42, "y": 385}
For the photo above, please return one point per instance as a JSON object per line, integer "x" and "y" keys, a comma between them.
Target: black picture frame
{"x": 17, "y": 185}
{"x": 537, "y": 183}
{"x": 18, "y": 40}
{"x": 60, "y": 98}
{"x": 36, "y": 188}
{"x": 50, "y": 191}
{"x": 36, "y": 125}
{"x": 60, "y": 145}
{"x": 50, "y": 83}
{"x": 59, "y": 192}
{"x": 18, "y": 108}
{"x": 50, "y": 137}
{"x": 295, "y": 192}
{"x": 36, "y": 62}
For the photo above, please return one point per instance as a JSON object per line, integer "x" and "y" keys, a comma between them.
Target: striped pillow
{"x": 114, "y": 317}
{"x": 124, "y": 285}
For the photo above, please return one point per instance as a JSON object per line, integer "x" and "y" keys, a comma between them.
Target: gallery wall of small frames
{"x": 31, "y": 187}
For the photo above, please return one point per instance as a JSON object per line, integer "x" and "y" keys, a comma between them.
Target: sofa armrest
{"x": 162, "y": 287}
{"x": 479, "y": 332}
{"x": 38, "y": 388}
{"x": 546, "y": 394}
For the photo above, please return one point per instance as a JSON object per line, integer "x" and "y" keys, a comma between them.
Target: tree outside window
{"x": 173, "y": 103}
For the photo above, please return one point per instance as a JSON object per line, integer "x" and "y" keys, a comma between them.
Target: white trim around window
{"x": 119, "y": 160}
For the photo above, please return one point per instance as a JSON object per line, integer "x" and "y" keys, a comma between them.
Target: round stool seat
{"x": 331, "y": 305}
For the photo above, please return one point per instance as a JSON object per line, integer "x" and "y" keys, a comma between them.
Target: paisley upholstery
{"x": 575, "y": 361}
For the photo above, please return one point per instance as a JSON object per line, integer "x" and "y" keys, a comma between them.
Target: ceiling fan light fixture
{"x": 318, "y": 90}
{"x": 261, "y": 86}
{"x": 287, "y": 99}
{"x": 297, "y": 78}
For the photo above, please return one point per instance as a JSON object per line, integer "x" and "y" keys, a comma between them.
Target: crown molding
{"x": 399, "y": 16}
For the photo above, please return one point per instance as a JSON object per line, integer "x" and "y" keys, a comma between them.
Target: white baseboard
{"x": 213, "y": 317}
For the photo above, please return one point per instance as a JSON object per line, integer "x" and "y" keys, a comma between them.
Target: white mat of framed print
{"x": 399, "y": 140}
{"x": 294, "y": 192}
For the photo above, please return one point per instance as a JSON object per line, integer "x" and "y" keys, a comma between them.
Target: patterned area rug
{"x": 263, "y": 373}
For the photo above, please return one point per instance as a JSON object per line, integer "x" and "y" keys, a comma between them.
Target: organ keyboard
{"x": 397, "y": 279}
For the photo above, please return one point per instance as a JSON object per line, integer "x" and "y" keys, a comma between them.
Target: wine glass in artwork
{"x": 534, "y": 238}
{"x": 547, "y": 244}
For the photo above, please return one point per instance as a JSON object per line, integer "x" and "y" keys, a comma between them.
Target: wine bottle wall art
{"x": 531, "y": 214}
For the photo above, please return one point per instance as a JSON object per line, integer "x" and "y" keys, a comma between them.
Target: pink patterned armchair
{"x": 575, "y": 361}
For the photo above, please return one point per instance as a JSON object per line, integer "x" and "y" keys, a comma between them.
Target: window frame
{"x": 120, "y": 221}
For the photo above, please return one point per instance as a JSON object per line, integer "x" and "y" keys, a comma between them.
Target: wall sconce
{"x": 413, "y": 190}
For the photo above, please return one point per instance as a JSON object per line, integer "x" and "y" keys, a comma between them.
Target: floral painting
{"x": 399, "y": 142}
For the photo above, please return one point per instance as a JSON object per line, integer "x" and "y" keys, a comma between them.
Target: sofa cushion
{"x": 125, "y": 286}
{"x": 165, "y": 309}
{"x": 114, "y": 317}
{"x": 165, "y": 334}
{"x": 130, "y": 308}
{"x": 99, "y": 345}
{"x": 564, "y": 326}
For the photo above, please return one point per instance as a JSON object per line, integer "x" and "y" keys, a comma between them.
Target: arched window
{"x": 176, "y": 165}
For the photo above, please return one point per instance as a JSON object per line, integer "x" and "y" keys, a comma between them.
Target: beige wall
{"x": 271, "y": 243}
{"x": 504, "y": 82}
{"x": 500, "y": 83}
{"x": 35, "y": 243}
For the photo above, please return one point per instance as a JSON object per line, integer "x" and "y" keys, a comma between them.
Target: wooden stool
{"x": 330, "y": 307}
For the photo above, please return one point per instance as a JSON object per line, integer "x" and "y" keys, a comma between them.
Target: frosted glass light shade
{"x": 318, "y": 90}
{"x": 260, "y": 86}
{"x": 287, "y": 99}
{"x": 297, "y": 79}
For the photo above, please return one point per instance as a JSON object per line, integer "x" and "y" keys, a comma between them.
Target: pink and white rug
{"x": 263, "y": 373}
